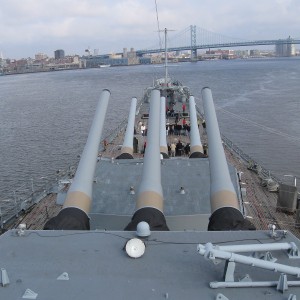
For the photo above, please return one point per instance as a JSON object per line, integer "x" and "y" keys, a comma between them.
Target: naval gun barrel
{"x": 196, "y": 145}
{"x": 162, "y": 136}
{"x": 74, "y": 215}
{"x": 127, "y": 148}
{"x": 225, "y": 207}
{"x": 149, "y": 204}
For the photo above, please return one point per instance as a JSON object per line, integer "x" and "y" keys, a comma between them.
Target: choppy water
{"x": 45, "y": 117}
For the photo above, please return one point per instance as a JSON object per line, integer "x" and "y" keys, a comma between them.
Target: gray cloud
{"x": 31, "y": 26}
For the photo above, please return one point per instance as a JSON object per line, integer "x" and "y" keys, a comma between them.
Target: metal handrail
{"x": 233, "y": 148}
{"x": 24, "y": 197}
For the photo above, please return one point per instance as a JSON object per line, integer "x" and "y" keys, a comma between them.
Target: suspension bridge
{"x": 195, "y": 38}
{"x": 192, "y": 39}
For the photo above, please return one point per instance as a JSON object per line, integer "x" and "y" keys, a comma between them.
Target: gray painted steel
{"x": 162, "y": 136}
{"x": 128, "y": 139}
{"x": 220, "y": 178}
{"x": 194, "y": 133}
{"x": 111, "y": 191}
{"x": 151, "y": 175}
{"x": 98, "y": 267}
{"x": 85, "y": 171}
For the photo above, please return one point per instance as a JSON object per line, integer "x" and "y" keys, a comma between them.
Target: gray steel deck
{"x": 99, "y": 268}
{"x": 111, "y": 195}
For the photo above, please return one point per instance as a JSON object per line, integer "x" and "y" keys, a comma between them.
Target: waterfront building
{"x": 156, "y": 59}
{"x": 285, "y": 49}
{"x": 124, "y": 52}
{"x": 212, "y": 54}
{"x": 96, "y": 61}
{"x": 59, "y": 54}
{"x": 255, "y": 53}
{"x": 115, "y": 56}
{"x": 145, "y": 60}
{"x": 40, "y": 56}
{"x": 132, "y": 58}
{"x": 116, "y": 59}
{"x": 242, "y": 53}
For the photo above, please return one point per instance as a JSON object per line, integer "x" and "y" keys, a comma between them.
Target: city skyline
{"x": 32, "y": 26}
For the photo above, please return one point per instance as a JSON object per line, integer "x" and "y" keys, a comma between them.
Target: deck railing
{"x": 252, "y": 164}
{"x": 23, "y": 198}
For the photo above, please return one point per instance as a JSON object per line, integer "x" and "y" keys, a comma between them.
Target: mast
{"x": 166, "y": 57}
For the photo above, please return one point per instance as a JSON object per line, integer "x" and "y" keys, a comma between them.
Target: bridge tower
{"x": 193, "y": 42}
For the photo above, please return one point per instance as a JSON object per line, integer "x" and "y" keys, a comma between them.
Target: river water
{"x": 45, "y": 117}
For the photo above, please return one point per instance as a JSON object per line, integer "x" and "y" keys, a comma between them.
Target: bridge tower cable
{"x": 158, "y": 27}
{"x": 193, "y": 42}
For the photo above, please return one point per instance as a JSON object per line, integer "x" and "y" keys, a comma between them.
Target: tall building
{"x": 40, "y": 56}
{"x": 58, "y": 54}
{"x": 285, "y": 49}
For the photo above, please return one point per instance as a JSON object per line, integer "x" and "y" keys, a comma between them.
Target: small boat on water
{"x": 104, "y": 66}
{"x": 157, "y": 210}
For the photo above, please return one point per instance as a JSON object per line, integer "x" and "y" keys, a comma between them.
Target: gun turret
{"x": 74, "y": 215}
{"x": 149, "y": 204}
{"x": 196, "y": 145}
{"x": 225, "y": 207}
{"x": 127, "y": 148}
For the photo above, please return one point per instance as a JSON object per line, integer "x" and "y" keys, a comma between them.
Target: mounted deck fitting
{"x": 4, "y": 277}
{"x": 135, "y": 248}
{"x": 182, "y": 190}
{"x": 21, "y": 229}
{"x": 216, "y": 253}
{"x": 143, "y": 229}
{"x": 63, "y": 276}
{"x": 282, "y": 283}
{"x": 131, "y": 190}
{"x": 29, "y": 294}
{"x": 221, "y": 297}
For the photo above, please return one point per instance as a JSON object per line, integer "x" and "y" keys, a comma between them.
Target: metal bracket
{"x": 4, "y": 277}
{"x": 221, "y": 297}
{"x": 63, "y": 276}
{"x": 246, "y": 278}
{"x": 267, "y": 256}
{"x": 294, "y": 251}
{"x": 229, "y": 271}
{"x": 29, "y": 294}
{"x": 282, "y": 283}
{"x": 21, "y": 229}
{"x": 265, "y": 261}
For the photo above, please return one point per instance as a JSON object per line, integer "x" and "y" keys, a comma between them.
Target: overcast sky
{"x": 32, "y": 26}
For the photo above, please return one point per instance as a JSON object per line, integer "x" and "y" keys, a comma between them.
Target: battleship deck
{"x": 93, "y": 265}
{"x": 259, "y": 203}
{"x": 190, "y": 210}
{"x": 185, "y": 262}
